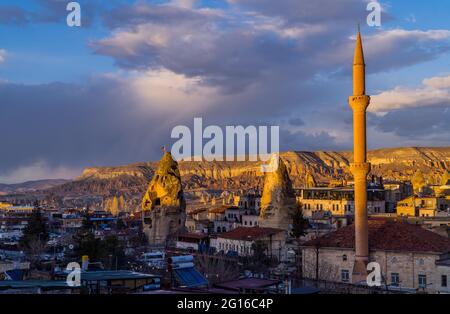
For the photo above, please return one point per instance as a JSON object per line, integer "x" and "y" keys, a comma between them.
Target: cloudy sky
{"x": 110, "y": 92}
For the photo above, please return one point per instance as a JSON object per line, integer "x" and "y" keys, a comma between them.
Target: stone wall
{"x": 408, "y": 265}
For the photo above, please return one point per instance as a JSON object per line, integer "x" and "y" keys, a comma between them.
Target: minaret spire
{"x": 359, "y": 68}
{"x": 360, "y": 168}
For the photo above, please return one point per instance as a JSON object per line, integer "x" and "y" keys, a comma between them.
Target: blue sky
{"x": 110, "y": 92}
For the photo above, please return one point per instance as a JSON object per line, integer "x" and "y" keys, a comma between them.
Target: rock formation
{"x": 445, "y": 180}
{"x": 278, "y": 199}
{"x": 310, "y": 181}
{"x": 163, "y": 204}
{"x": 418, "y": 181}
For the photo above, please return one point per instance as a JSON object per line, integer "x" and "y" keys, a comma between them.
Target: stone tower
{"x": 163, "y": 205}
{"x": 360, "y": 168}
{"x": 278, "y": 199}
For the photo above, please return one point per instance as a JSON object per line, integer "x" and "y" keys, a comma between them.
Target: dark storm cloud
{"x": 10, "y": 14}
{"x": 296, "y": 122}
{"x": 415, "y": 123}
{"x": 270, "y": 66}
{"x": 300, "y": 141}
{"x": 74, "y": 126}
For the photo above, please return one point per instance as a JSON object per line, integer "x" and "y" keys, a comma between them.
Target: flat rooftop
{"x": 111, "y": 275}
{"x": 247, "y": 283}
{"x": 33, "y": 284}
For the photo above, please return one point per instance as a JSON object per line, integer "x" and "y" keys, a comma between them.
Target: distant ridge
{"x": 30, "y": 186}
{"x": 391, "y": 163}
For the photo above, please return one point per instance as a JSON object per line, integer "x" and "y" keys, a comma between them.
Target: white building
{"x": 240, "y": 240}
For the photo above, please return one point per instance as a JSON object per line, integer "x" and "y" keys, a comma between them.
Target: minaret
{"x": 360, "y": 168}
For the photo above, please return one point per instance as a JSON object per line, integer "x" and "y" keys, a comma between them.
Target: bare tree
{"x": 34, "y": 250}
{"x": 217, "y": 268}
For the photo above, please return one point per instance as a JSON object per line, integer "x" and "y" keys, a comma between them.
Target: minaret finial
{"x": 358, "y": 68}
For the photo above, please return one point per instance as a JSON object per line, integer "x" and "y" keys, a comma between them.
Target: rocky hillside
{"x": 30, "y": 186}
{"x": 392, "y": 164}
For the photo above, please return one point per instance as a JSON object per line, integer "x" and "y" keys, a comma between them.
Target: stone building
{"x": 410, "y": 257}
{"x": 164, "y": 204}
{"x": 425, "y": 206}
{"x": 395, "y": 191}
{"x": 241, "y": 239}
{"x": 339, "y": 201}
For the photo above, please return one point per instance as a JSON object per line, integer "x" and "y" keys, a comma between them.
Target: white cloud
{"x": 2, "y": 55}
{"x": 433, "y": 92}
{"x": 188, "y": 4}
{"x": 168, "y": 92}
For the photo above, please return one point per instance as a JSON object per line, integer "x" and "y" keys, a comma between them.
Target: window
{"x": 422, "y": 281}
{"x": 344, "y": 257}
{"x": 345, "y": 275}
{"x": 395, "y": 279}
{"x": 444, "y": 281}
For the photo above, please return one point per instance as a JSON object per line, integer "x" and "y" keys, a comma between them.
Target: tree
{"x": 108, "y": 251}
{"x": 121, "y": 224}
{"x": 258, "y": 261}
{"x": 114, "y": 251}
{"x": 87, "y": 224}
{"x": 299, "y": 224}
{"x": 36, "y": 229}
{"x": 217, "y": 268}
{"x": 34, "y": 249}
{"x": 88, "y": 244}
